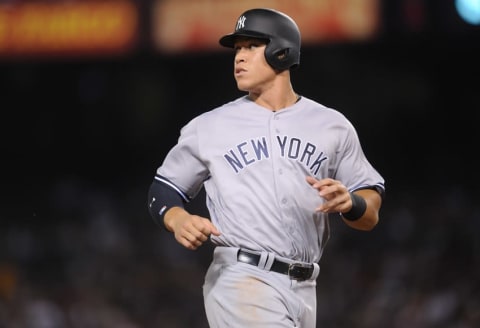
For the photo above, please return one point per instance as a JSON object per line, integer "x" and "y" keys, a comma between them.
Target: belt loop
{"x": 263, "y": 260}
{"x": 269, "y": 262}
{"x": 266, "y": 261}
{"x": 316, "y": 271}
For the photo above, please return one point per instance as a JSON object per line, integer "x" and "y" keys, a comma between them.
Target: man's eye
{"x": 250, "y": 46}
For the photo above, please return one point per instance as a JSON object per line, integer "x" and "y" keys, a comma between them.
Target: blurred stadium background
{"x": 93, "y": 94}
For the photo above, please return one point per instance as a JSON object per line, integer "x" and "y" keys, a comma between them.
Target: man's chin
{"x": 242, "y": 87}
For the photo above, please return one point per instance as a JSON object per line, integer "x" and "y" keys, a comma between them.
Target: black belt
{"x": 296, "y": 271}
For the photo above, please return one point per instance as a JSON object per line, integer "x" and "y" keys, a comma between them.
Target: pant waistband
{"x": 299, "y": 271}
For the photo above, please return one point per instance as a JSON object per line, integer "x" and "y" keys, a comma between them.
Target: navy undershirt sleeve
{"x": 162, "y": 197}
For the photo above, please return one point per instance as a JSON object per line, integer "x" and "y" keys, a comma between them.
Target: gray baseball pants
{"x": 241, "y": 295}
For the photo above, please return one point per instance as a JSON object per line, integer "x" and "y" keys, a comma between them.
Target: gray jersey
{"x": 253, "y": 163}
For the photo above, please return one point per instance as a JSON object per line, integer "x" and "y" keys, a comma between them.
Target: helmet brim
{"x": 229, "y": 39}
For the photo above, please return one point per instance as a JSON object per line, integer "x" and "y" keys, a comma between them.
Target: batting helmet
{"x": 279, "y": 30}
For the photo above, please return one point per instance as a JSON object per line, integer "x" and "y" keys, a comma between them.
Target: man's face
{"x": 251, "y": 70}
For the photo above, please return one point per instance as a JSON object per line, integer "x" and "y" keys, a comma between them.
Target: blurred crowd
{"x": 93, "y": 258}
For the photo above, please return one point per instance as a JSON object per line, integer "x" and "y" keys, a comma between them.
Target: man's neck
{"x": 275, "y": 98}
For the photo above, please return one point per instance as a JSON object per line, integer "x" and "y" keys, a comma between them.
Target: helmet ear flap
{"x": 282, "y": 54}
{"x": 281, "y": 58}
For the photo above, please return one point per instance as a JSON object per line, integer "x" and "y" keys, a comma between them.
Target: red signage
{"x": 191, "y": 25}
{"x": 70, "y": 28}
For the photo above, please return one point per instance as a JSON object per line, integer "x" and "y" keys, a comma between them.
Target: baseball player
{"x": 275, "y": 165}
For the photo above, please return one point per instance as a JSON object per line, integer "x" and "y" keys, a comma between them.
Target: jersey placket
{"x": 282, "y": 197}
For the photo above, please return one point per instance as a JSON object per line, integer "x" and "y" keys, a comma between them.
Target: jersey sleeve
{"x": 354, "y": 169}
{"x": 183, "y": 165}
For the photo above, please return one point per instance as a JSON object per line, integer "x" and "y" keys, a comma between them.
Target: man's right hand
{"x": 189, "y": 230}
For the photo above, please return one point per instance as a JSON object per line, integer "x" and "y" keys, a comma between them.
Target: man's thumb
{"x": 215, "y": 230}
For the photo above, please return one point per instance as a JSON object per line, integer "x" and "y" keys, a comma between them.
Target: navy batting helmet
{"x": 279, "y": 30}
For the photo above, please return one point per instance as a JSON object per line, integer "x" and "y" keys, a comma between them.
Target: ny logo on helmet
{"x": 240, "y": 23}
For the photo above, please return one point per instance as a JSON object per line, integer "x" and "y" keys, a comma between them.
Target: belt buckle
{"x": 295, "y": 271}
